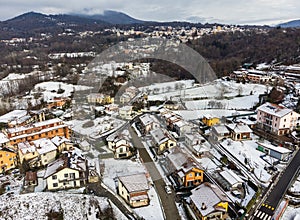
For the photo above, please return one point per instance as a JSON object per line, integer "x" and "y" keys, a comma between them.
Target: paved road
{"x": 167, "y": 200}
{"x": 268, "y": 207}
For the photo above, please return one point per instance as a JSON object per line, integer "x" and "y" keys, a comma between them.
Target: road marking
{"x": 262, "y": 217}
{"x": 255, "y": 212}
{"x": 272, "y": 208}
{"x": 259, "y": 213}
{"x": 270, "y": 217}
{"x": 266, "y": 217}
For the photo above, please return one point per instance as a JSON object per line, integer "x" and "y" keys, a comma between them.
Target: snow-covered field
{"x": 247, "y": 149}
{"x": 196, "y": 114}
{"x": 49, "y": 89}
{"x": 217, "y": 89}
{"x": 291, "y": 213}
{"x": 115, "y": 168}
{"x": 39, "y": 205}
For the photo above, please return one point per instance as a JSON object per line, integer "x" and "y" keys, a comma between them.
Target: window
{"x": 66, "y": 175}
{"x": 55, "y": 184}
{"x": 54, "y": 177}
{"x": 0, "y": 155}
{"x": 284, "y": 120}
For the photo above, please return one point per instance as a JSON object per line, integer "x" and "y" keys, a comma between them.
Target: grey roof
{"x": 275, "y": 110}
{"x": 135, "y": 182}
{"x": 208, "y": 194}
{"x": 221, "y": 129}
{"x": 239, "y": 128}
{"x": 159, "y": 135}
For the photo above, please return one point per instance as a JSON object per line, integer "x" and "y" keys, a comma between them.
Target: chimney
{"x": 203, "y": 207}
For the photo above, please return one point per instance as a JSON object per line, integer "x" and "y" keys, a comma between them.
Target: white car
{"x": 168, "y": 189}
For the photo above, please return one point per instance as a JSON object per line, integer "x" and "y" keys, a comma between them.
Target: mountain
{"x": 33, "y": 22}
{"x": 113, "y": 17}
{"x": 294, "y": 23}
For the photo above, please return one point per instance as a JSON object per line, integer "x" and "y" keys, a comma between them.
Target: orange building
{"x": 44, "y": 129}
{"x": 8, "y": 159}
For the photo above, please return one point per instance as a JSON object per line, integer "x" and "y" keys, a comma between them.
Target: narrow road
{"x": 268, "y": 207}
{"x": 98, "y": 190}
{"x": 167, "y": 200}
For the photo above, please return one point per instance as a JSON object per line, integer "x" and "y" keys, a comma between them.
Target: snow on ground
{"x": 48, "y": 89}
{"x": 38, "y": 205}
{"x": 296, "y": 186}
{"x": 168, "y": 86}
{"x": 196, "y": 114}
{"x": 216, "y": 89}
{"x": 115, "y": 168}
{"x": 94, "y": 128}
{"x": 291, "y": 213}
{"x": 247, "y": 149}
{"x": 245, "y": 102}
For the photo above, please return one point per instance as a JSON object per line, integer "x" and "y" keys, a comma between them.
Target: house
{"x": 120, "y": 144}
{"x": 182, "y": 127}
{"x": 99, "y": 98}
{"x": 277, "y": 119}
{"x": 4, "y": 141}
{"x": 277, "y": 152}
{"x": 233, "y": 181}
{"x": 37, "y": 153}
{"x": 57, "y": 102}
{"x": 125, "y": 112}
{"x": 183, "y": 171}
{"x": 45, "y": 129}
{"x": 46, "y": 150}
{"x": 62, "y": 144}
{"x": 197, "y": 144}
{"x": 85, "y": 145}
{"x": 170, "y": 121}
{"x": 31, "y": 179}
{"x": 162, "y": 140}
{"x": 208, "y": 202}
{"x": 134, "y": 189}
{"x": 239, "y": 131}
{"x": 218, "y": 132}
{"x": 128, "y": 95}
{"x": 171, "y": 105}
{"x": 209, "y": 120}
{"x": 68, "y": 171}
{"x": 148, "y": 122}
{"x": 8, "y": 159}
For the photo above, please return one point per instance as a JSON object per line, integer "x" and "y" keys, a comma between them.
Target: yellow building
{"x": 210, "y": 120}
{"x": 162, "y": 140}
{"x": 100, "y": 98}
{"x": 8, "y": 160}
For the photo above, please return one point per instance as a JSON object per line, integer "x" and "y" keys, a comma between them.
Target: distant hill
{"x": 294, "y": 23}
{"x": 113, "y": 17}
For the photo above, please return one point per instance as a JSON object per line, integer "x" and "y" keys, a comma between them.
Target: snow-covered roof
{"x": 26, "y": 147}
{"x": 159, "y": 135}
{"x": 208, "y": 195}
{"x": 272, "y": 109}
{"x": 57, "y": 140}
{"x": 13, "y": 115}
{"x": 177, "y": 159}
{"x": 239, "y": 128}
{"x": 55, "y": 166}
{"x": 231, "y": 177}
{"x": 221, "y": 129}
{"x": 281, "y": 150}
{"x": 3, "y": 138}
{"x": 135, "y": 183}
{"x": 146, "y": 119}
{"x": 181, "y": 123}
{"x": 44, "y": 145}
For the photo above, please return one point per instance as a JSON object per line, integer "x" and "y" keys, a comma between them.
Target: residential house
{"x": 170, "y": 121}
{"x": 208, "y": 202}
{"x": 182, "y": 127}
{"x": 231, "y": 180}
{"x": 128, "y": 95}
{"x": 148, "y": 123}
{"x": 100, "y": 98}
{"x": 4, "y": 141}
{"x": 134, "y": 189}
{"x": 162, "y": 140}
{"x": 171, "y": 105}
{"x": 62, "y": 144}
{"x": 27, "y": 152}
{"x": 280, "y": 153}
{"x": 210, "y": 120}
{"x": 183, "y": 171}
{"x": 218, "y": 132}
{"x": 57, "y": 102}
{"x": 68, "y": 171}
{"x": 45, "y": 129}
{"x": 126, "y": 112}
{"x": 8, "y": 159}
{"x": 197, "y": 144}
{"x": 85, "y": 145}
{"x": 239, "y": 131}
{"x": 120, "y": 144}
{"x": 277, "y": 119}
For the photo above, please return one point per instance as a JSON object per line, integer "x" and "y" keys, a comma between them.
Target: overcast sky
{"x": 225, "y": 11}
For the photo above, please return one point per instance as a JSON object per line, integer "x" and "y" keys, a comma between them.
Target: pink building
{"x": 277, "y": 119}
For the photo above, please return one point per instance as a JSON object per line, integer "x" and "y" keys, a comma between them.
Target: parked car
{"x": 168, "y": 189}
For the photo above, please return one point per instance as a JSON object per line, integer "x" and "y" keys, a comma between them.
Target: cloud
{"x": 225, "y": 11}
